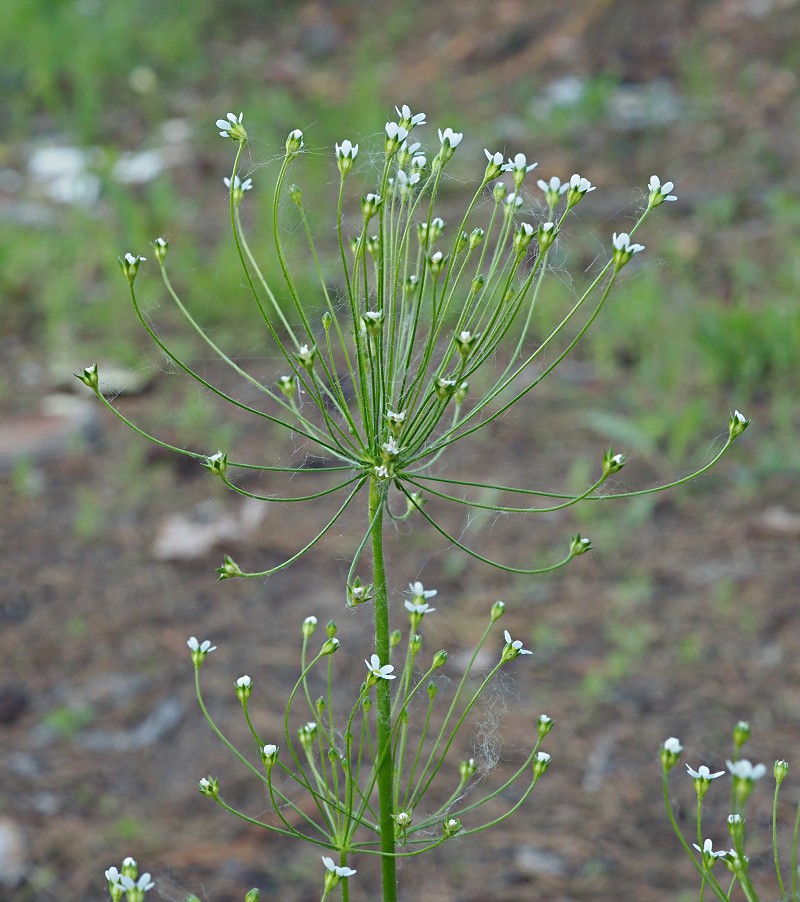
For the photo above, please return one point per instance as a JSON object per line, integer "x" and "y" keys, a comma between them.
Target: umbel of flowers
{"x": 376, "y": 379}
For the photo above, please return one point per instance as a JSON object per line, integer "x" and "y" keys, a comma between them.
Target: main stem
{"x": 384, "y": 701}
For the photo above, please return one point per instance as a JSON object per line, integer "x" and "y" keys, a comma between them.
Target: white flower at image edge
{"x": 336, "y": 869}
{"x": 673, "y": 744}
{"x": 379, "y": 672}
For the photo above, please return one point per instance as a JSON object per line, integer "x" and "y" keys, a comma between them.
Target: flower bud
{"x": 450, "y": 827}
{"x": 741, "y": 733}
{"x": 541, "y": 762}
{"x": 670, "y": 752}
{"x": 327, "y": 320}
{"x": 461, "y": 392}
{"x": 737, "y": 424}
{"x": 346, "y": 152}
{"x": 330, "y": 629}
{"x": 579, "y": 545}
{"x": 544, "y": 725}
{"x": 308, "y": 627}
{"x": 372, "y": 322}
{"x": 294, "y": 143}
{"x": 370, "y": 204}
{"x": 415, "y": 644}
{"x": 433, "y": 690}
{"x": 499, "y": 191}
{"x": 296, "y": 194}
{"x": 217, "y": 464}
{"x": 129, "y": 264}
{"x": 436, "y": 263}
{"x": 498, "y": 609}
{"x": 160, "y": 248}
{"x": 444, "y": 388}
{"x": 522, "y": 238}
{"x": 476, "y": 237}
{"x": 612, "y": 462}
{"x": 395, "y": 638}
{"x": 269, "y": 755}
{"x": 358, "y": 593}
{"x": 208, "y": 786}
{"x": 244, "y": 687}
{"x": 89, "y": 377}
{"x": 779, "y": 770}
{"x": 288, "y": 385}
{"x": 466, "y": 769}
{"x": 546, "y": 235}
{"x": 252, "y": 895}
{"x": 439, "y": 659}
{"x": 306, "y": 735}
{"x": 305, "y": 357}
{"x": 329, "y": 646}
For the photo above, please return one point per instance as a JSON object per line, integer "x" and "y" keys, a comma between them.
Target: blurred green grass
{"x": 708, "y": 323}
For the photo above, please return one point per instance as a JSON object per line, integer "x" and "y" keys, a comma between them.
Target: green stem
{"x": 383, "y": 762}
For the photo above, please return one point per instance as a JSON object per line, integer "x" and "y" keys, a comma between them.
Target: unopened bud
{"x": 439, "y": 659}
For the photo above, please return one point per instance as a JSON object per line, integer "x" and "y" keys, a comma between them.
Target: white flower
{"x": 745, "y": 770}
{"x": 132, "y": 260}
{"x": 336, "y": 869}
{"x": 496, "y": 159}
{"x": 112, "y": 875}
{"x": 419, "y": 161}
{"x": 230, "y": 127}
{"x": 580, "y": 185}
{"x": 448, "y": 136}
{"x": 403, "y": 818}
{"x": 395, "y": 132}
{"x": 703, "y": 773}
{"x": 238, "y": 185}
{"x": 244, "y": 682}
{"x": 419, "y": 609}
{"x": 203, "y": 647}
{"x": 513, "y": 200}
{"x": 707, "y": 850}
{"x": 382, "y": 472}
{"x": 659, "y": 193}
{"x": 379, "y": 672}
{"x": 394, "y": 417}
{"x": 553, "y": 187}
{"x": 129, "y": 862}
{"x": 419, "y": 591}
{"x": 143, "y": 884}
{"x": 519, "y": 164}
{"x": 406, "y": 116}
{"x": 346, "y": 150}
{"x": 406, "y": 181}
{"x": 270, "y": 750}
{"x": 542, "y": 757}
{"x": 391, "y": 447}
{"x": 513, "y": 647}
{"x": 622, "y": 242}
{"x": 673, "y": 745}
